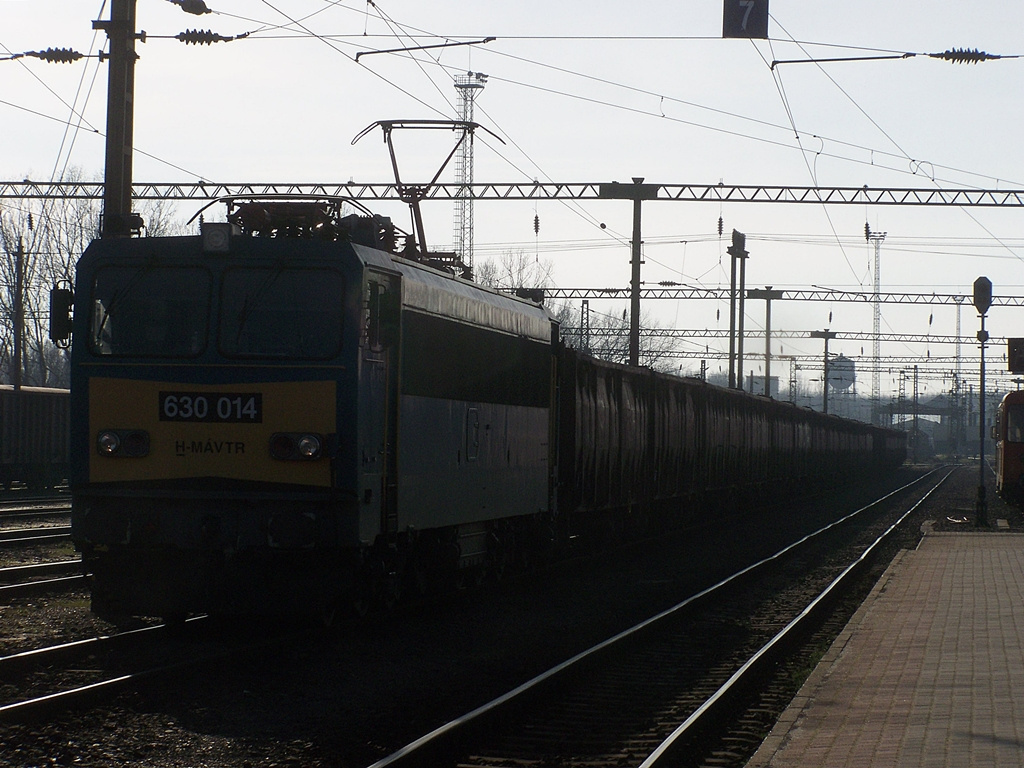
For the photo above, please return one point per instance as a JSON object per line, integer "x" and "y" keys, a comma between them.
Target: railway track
{"x": 31, "y": 522}
{"x": 28, "y": 505}
{"x": 33, "y": 536}
{"x": 27, "y": 537}
{"x": 47, "y": 680}
{"x": 18, "y": 581}
{"x": 658, "y": 693}
{"x": 50, "y": 678}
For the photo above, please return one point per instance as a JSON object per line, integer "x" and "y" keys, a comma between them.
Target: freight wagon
{"x": 33, "y": 436}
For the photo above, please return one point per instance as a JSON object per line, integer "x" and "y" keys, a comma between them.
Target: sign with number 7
{"x": 745, "y": 18}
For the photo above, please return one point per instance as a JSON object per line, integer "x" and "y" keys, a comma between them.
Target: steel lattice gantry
{"x": 815, "y": 294}
{"x": 694, "y": 333}
{"x": 709, "y": 193}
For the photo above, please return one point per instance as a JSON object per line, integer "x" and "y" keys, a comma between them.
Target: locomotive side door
{"x": 378, "y": 396}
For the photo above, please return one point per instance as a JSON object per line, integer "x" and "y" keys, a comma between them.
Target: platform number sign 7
{"x": 745, "y": 18}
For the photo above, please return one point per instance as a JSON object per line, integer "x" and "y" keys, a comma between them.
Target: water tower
{"x": 841, "y": 373}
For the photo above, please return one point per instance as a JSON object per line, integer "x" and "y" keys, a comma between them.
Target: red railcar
{"x": 1009, "y": 436}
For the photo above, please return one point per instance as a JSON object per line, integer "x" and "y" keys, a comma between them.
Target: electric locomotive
{"x": 1008, "y": 432}
{"x": 283, "y": 414}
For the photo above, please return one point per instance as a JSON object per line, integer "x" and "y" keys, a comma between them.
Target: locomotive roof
{"x": 428, "y": 290}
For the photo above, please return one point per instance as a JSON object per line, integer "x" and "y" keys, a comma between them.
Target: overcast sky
{"x": 587, "y": 91}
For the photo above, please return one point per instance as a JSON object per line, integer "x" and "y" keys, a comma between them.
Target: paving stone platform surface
{"x": 929, "y": 672}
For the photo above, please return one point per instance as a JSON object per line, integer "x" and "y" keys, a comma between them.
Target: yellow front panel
{"x": 183, "y": 449}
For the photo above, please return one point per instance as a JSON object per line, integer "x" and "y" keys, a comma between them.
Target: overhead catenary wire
{"x": 955, "y": 55}
{"x": 825, "y": 153}
{"x": 498, "y": 78}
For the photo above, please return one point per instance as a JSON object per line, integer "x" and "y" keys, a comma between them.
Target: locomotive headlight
{"x": 123, "y": 443}
{"x": 296, "y": 446}
{"x": 309, "y": 446}
{"x": 108, "y": 443}
{"x": 281, "y": 446}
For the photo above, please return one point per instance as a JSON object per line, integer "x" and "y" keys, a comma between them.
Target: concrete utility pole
{"x": 19, "y": 316}
{"x": 637, "y": 193}
{"x": 826, "y": 335}
{"x": 767, "y": 294}
{"x": 738, "y": 250}
{"x": 118, "y": 220}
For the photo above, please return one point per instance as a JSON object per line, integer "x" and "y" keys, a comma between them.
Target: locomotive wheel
{"x": 500, "y": 553}
{"x": 361, "y": 600}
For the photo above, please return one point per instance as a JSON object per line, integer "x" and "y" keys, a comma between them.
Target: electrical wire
{"x": 498, "y": 53}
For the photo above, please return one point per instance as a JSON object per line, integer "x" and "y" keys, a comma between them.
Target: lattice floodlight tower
{"x": 412, "y": 194}
{"x": 468, "y": 86}
{"x": 876, "y": 348}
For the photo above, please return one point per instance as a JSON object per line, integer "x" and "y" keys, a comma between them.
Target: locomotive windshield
{"x": 150, "y": 311}
{"x": 281, "y": 313}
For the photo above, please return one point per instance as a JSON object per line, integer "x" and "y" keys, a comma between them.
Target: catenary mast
{"x": 876, "y": 238}
{"x": 468, "y": 86}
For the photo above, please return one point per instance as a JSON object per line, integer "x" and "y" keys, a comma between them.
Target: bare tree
{"x": 607, "y": 336}
{"x": 50, "y": 236}
{"x": 515, "y": 269}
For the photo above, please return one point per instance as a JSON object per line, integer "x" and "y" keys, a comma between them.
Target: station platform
{"x": 929, "y": 672}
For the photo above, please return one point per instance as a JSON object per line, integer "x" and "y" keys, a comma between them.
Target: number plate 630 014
{"x": 212, "y": 407}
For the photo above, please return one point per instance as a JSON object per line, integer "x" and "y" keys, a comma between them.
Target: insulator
{"x": 195, "y": 7}
{"x": 201, "y": 37}
{"x": 536, "y": 224}
{"x": 964, "y": 56}
{"x": 31, "y": 224}
{"x": 721, "y": 223}
{"x": 57, "y": 55}
{"x": 867, "y": 231}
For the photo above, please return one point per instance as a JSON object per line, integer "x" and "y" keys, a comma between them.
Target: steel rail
{"x": 60, "y": 567}
{"x": 34, "y": 535}
{"x": 49, "y": 702}
{"x": 9, "y": 508}
{"x": 10, "y": 592}
{"x": 414, "y": 752}
{"x": 19, "y": 710}
{"x": 665, "y": 753}
{"x": 75, "y": 648}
